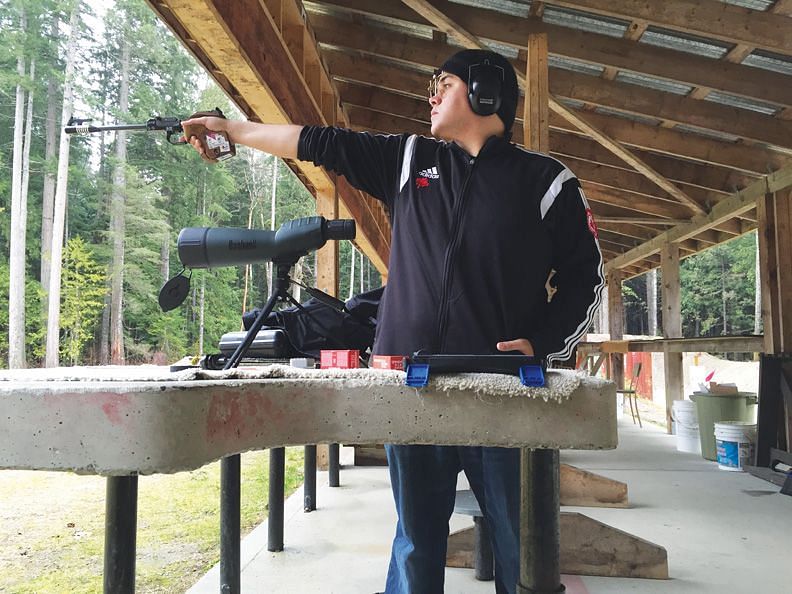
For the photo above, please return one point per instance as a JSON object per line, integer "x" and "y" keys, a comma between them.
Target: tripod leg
{"x": 233, "y": 360}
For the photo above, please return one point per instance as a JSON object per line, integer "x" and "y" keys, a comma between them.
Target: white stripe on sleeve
{"x": 578, "y": 333}
{"x": 554, "y": 190}
{"x": 409, "y": 149}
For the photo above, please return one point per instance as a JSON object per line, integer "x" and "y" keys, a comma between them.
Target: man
{"x": 478, "y": 226}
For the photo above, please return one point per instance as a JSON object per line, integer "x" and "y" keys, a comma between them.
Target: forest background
{"x": 88, "y": 225}
{"x": 121, "y": 198}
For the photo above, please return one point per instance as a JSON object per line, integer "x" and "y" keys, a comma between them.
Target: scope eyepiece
{"x": 340, "y": 229}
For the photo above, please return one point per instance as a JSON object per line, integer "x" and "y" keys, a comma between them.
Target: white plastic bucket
{"x": 734, "y": 441}
{"x": 687, "y": 431}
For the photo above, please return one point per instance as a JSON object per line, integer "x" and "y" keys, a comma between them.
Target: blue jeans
{"x": 423, "y": 479}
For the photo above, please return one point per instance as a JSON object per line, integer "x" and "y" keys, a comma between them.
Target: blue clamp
{"x": 417, "y": 375}
{"x": 532, "y": 376}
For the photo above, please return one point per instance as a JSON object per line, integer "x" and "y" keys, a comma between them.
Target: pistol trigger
{"x": 179, "y": 139}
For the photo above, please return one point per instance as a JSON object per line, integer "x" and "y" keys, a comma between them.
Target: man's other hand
{"x": 519, "y": 344}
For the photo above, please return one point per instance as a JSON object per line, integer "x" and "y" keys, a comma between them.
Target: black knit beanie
{"x": 460, "y": 63}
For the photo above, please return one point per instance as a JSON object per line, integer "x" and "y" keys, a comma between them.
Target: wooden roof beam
{"x": 585, "y": 46}
{"x": 631, "y": 133}
{"x": 712, "y": 177}
{"x": 448, "y": 26}
{"x": 628, "y": 231}
{"x": 740, "y": 202}
{"x": 705, "y": 18}
{"x": 637, "y": 203}
{"x": 675, "y": 108}
{"x": 634, "y": 31}
{"x": 639, "y": 221}
{"x": 718, "y": 179}
{"x": 595, "y": 184}
{"x": 689, "y": 146}
{"x": 632, "y": 181}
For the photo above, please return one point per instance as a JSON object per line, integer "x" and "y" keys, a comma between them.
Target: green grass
{"x": 53, "y": 535}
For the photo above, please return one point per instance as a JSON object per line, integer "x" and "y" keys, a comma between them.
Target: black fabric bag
{"x": 322, "y": 327}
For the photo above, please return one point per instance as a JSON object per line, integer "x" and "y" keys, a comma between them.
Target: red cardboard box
{"x": 339, "y": 359}
{"x": 387, "y": 362}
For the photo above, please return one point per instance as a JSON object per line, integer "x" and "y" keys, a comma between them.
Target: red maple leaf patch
{"x": 421, "y": 182}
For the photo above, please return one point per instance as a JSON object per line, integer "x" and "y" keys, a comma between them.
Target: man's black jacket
{"x": 473, "y": 242}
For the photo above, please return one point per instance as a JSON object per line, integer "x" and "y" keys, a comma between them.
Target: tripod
{"x": 230, "y": 466}
{"x": 280, "y": 292}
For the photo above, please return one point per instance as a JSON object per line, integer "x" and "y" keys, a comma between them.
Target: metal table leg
{"x": 120, "y": 534}
{"x": 483, "y": 560}
{"x": 230, "y": 581}
{"x": 277, "y": 470}
{"x": 309, "y": 485}
{"x": 539, "y": 523}
{"x": 333, "y": 465}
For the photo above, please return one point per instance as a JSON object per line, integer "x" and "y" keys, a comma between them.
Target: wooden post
{"x": 672, "y": 326}
{"x": 616, "y": 324}
{"x": 536, "y": 131}
{"x": 783, "y": 226}
{"x": 768, "y": 273}
{"x": 327, "y": 281}
{"x": 774, "y": 219}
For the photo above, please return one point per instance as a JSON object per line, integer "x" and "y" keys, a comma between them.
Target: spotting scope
{"x": 210, "y": 247}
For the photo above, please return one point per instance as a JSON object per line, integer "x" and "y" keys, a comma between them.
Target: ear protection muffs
{"x": 485, "y": 84}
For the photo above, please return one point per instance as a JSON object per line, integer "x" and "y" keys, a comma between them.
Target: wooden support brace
{"x": 587, "y": 489}
{"x": 588, "y": 547}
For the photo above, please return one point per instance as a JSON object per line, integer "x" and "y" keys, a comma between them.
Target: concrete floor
{"x": 725, "y": 532}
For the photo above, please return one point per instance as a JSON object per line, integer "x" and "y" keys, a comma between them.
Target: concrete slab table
{"x": 122, "y": 429}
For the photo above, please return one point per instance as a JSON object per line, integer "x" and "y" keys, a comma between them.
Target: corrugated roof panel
{"x": 752, "y": 4}
{"x": 652, "y": 82}
{"x": 628, "y": 116}
{"x": 741, "y": 102}
{"x": 769, "y": 61}
{"x": 510, "y": 7}
{"x": 509, "y": 51}
{"x": 584, "y": 21}
{"x": 574, "y": 65}
{"x": 684, "y": 43}
{"x": 707, "y": 133}
{"x": 393, "y": 25}
{"x": 573, "y": 103}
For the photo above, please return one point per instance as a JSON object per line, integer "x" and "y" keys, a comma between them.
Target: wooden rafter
{"x": 707, "y": 18}
{"x": 583, "y": 46}
{"x": 741, "y": 202}
{"x": 639, "y": 221}
{"x": 667, "y": 106}
{"x": 576, "y": 149}
{"x": 449, "y": 27}
{"x": 377, "y": 79}
{"x": 740, "y": 51}
{"x": 412, "y": 50}
{"x": 631, "y": 133}
{"x": 622, "y": 96}
{"x": 597, "y": 184}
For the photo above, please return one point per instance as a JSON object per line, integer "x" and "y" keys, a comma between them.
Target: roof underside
{"x": 699, "y": 91}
